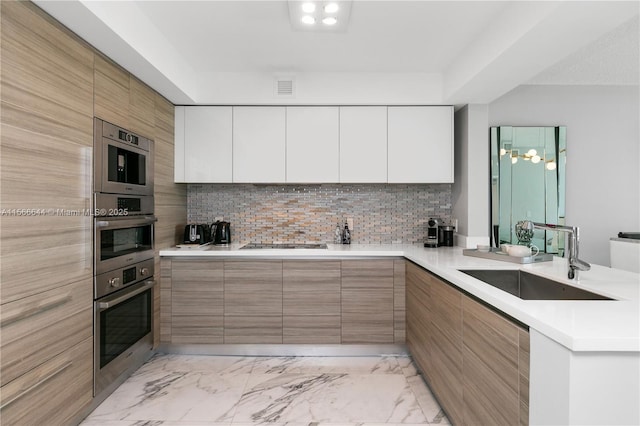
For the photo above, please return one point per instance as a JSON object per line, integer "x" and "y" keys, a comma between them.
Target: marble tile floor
{"x": 197, "y": 390}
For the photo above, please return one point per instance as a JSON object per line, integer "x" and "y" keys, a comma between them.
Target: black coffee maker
{"x": 221, "y": 233}
{"x": 432, "y": 233}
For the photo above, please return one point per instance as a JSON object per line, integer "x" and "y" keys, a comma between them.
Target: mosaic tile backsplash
{"x": 381, "y": 213}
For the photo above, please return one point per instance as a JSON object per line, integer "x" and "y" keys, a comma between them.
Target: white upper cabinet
{"x": 259, "y": 144}
{"x": 420, "y": 140}
{"x": 203, "y": 144}
{"x": 312, "y": 145}
{"x": 363, "y": 144}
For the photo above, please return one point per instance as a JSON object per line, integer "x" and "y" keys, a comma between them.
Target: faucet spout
{"x": 575, "y": 264}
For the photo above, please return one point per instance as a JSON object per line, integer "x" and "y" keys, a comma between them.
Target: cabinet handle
{"x": 53, "y": 303}
{"x": 35, "y": 385}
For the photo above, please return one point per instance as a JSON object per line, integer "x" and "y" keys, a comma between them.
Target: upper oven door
{"x": 123, "y": 161}
{"x": 122, "y": 241}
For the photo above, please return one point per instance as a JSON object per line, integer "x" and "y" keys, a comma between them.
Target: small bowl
{"x": 483, "y": 248}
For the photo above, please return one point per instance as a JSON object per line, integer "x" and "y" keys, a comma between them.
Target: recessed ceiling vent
{"x": 285, "y": 87}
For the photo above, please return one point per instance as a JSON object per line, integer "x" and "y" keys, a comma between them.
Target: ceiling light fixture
{"x": 308, "y": 7}
{"x": 328, "y": 16}
{"x": 329, "y": 20}
{"x": 309, "y": 20}
{"x": 331, "y": 8}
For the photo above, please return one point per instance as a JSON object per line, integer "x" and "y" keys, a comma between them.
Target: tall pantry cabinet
{"x": 53, "y": 83}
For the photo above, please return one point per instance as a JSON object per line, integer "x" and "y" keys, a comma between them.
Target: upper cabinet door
{"x": 420, "y": 144}
{"x": 312, "y": 145}
{"x": 363, "y": 144}
{"x": 259, "y": 144}
{"x": 207, "y": 141}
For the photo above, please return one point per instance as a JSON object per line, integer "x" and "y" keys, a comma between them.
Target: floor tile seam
{"x": 244, "y": 389}
{"x": 418, "y": 399}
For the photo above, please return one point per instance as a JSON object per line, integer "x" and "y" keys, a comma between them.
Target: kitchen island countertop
{"x": 588, "y": 325}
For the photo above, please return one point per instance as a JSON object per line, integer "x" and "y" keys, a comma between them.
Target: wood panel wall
{"x": 52, "y": 85}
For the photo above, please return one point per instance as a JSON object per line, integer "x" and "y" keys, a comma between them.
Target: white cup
{"x": 522, "y": 251}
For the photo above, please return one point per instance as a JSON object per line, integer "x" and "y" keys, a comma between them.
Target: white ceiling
{"x": 452, "y": 52}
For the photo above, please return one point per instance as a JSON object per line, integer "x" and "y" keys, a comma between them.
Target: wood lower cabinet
{"x": 291, "y": 301}
{"x": 419, "y": 314}
{"x": 475, "y": 359}
{"x": 253, "y": 301}
{"x": 491, "y": 360}
{"x": 367, "y": 301}
{"x": 197, "y": 310}
{"x": 446, "y": 348}
{"x": 311, "y": 301}
{"x": 399, "y": 301}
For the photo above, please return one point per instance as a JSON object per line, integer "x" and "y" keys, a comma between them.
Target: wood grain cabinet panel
{"x": 475, "y": 359}
{"x": 141, "y": 108}
{"x": 170, "y": 209}
{"x": 523, "y": 370}
{"x": 399, "y": 301}
{"x": 446, "y": 351}
{"x": 40, "y": 327}
{"x": 111, "y": 92}
{"x": 47, "y": 109}
{"x": 54, "y": 393}
{"x": 367, "y": 301}
{"x": 491, "y": 362}
{"x": 253, "y": 301}
{"x": 122, "y": 99}
{"x": 197, "y": 308}
{"x": 419, "y": 314}
{"x": 311, "y": 301}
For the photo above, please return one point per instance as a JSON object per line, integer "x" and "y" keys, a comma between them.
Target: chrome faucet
{"x": 573, "y": 231}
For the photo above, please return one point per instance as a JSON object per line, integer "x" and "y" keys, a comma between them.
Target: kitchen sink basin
{"x": 531, "y": 287}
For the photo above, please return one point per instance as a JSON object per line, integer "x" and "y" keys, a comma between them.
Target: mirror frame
{"x": 503, "y": 157}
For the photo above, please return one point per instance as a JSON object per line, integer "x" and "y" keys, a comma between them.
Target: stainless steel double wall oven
{"x": 123, "y": 243}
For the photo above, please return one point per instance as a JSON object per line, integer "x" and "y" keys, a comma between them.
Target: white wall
{"x": 603, "y": 154}
{"x": 470, "y": 192}
{"x": 321, "y": 88}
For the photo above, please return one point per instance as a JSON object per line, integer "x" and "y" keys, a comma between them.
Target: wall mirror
{"x": 528, "y": 183}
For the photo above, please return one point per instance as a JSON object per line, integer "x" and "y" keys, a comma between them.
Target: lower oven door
{"x": 123, "y": 333}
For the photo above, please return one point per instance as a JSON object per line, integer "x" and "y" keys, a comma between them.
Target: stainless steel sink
{"x": 531, "y": 287}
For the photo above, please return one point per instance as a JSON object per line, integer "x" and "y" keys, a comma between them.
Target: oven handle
{"x": 120, "y": 222}
{"x": 111, "y": 303}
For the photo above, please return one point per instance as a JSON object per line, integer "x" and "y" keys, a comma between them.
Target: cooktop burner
{"x": 284, "y": 246}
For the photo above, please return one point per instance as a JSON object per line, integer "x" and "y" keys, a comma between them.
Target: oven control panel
{"x": 111, "y": 281}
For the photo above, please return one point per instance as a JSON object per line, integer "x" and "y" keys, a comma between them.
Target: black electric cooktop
{"x": 284, "y": 246}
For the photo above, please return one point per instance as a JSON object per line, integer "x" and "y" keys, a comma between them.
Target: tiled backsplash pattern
{"x": 381, "y": 213}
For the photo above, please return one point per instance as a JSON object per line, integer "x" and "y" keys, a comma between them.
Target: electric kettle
{"x": 221, "y": 232}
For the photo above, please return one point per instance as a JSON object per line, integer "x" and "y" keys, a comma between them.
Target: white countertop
{"x": 590, "y": 325}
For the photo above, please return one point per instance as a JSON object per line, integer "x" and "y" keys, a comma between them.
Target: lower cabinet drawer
{"x": 54, "y": 393}
{"x": 39, "y": 327}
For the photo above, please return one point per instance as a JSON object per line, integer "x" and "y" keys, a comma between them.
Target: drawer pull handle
{"x": 50, "y": 304}
{"x": 35, "y": 385}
